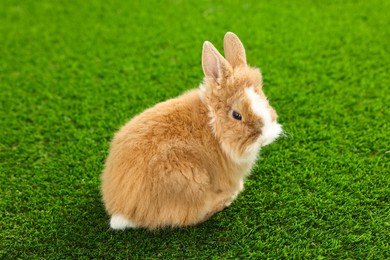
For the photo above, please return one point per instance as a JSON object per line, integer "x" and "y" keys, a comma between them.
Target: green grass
{"x": 72, "y": 72}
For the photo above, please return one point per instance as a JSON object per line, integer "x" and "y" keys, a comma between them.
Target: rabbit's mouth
{"x": 270, "y": 133}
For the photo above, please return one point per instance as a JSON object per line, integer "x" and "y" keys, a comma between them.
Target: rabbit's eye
{"x": 236, "y": 115}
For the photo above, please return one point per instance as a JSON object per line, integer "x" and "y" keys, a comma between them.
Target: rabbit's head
{"x": 241, "y": 117}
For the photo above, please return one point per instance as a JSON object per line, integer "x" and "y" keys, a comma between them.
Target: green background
{"x": 72, "y": 72}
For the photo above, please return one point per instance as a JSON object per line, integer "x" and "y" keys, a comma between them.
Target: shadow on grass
{"x": 84, "y": 230}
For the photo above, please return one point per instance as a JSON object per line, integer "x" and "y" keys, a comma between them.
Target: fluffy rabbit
{"x": 185, "y": 159}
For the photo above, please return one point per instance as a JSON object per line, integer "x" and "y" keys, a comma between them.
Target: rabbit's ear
{"x": 234, "y": 50}
{"x": 214, "y": 65}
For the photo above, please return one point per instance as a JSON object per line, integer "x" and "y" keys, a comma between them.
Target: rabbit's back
{"x": 158, "y": 169}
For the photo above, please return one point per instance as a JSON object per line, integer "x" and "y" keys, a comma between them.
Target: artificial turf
{"x": 72, "y": 72}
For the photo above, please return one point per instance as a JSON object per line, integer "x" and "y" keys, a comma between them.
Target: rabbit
{"x": 185, "y": 159}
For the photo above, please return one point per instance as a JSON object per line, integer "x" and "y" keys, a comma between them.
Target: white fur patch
{"x": 235, "y": 195}
{"x": 252, "y": 150}
{"x": 239, "y": 159}
{"x": 271, "y": 129}
{"x": 119, "y": 222}
{"x": 212, "y": 119}
{"x": 202, "y": 92}
{"x": 211, "y": 116}
{"x": 259, "y": 106}
{"x": 270, "y": 133}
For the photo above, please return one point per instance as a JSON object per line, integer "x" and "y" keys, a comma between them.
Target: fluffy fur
{"x": 183, "y": 160}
